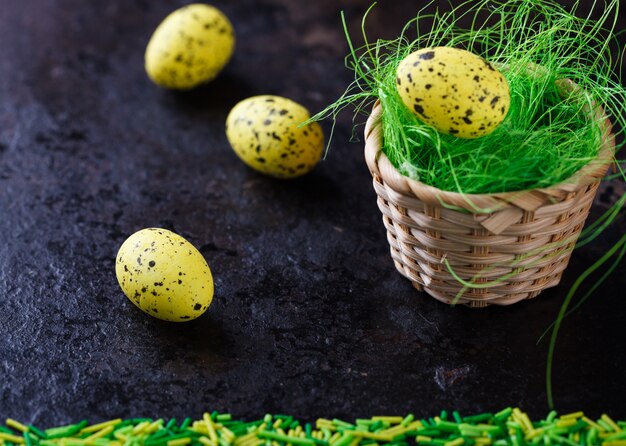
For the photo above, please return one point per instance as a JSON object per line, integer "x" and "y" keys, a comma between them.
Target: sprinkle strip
{"x": 509, "y": 427}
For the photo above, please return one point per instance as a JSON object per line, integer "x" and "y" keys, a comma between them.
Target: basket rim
{"x": 527, "y": 199}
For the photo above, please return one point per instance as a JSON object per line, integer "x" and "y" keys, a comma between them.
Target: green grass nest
{"x": 547, "y": 135}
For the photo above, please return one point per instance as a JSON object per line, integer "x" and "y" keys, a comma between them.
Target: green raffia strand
{"x": 543, "y": 140}
{"x": 509, "y": 427}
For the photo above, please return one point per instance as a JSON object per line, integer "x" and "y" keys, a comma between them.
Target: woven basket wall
{"x": 518, "y": 249}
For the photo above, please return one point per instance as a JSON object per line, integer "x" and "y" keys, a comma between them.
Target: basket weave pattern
{"x": 511, "y": 245}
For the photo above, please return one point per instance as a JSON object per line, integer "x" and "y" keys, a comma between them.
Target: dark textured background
{"x": 310, "y": 316}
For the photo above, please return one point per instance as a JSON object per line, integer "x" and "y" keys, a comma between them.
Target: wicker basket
{"x": 518, "y": 249}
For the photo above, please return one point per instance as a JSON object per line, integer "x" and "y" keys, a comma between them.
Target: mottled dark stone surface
{"x": 310, "y": 316}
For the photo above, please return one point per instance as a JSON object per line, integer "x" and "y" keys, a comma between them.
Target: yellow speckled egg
{"x": 264, "y": 132}
{"x": 453, "y": 90}
{"x": 164, "y": 275}
{"x": 189, "y": 47}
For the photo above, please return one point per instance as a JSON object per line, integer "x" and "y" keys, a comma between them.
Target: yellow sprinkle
{"x": 322, "y": 422}
{"x": 457, "y": 442}
{"x": 572, "y": 415}
{"x": 228, "y": 434}
{"x": 615, "y": 443}
{"x": 244, "y": 438}
{"x": 566, "y": 423}
{"x": 155, "y": 426}
{"x": 251, "y": 441}
{"x": 99, "y": 426}
{"x": 16, "y": 425}
{"x": 120, "y": 434}
{"x": 205, "y": 440}
{"x": 179, "y": 442}
{"x": 594, "y": 424}
{"x": 399, "y": 429}
{"x": 336, "y": 436}
{"x": 209, "y": 425}
{"x": 72, "y": 442}
{"x": 534, "y": 433}
{"x": 390, "y": 420}
{"x": 277, "y": 423}
{"x": 421, "y": 438}
{"x": 378, "y": 436}
{"x": 11, "y": 438}
{"x": 140, "y": 427}
{"x": 482, "y": 441}
{"x": 522, "y": 419}
{"x": 608, "y": 421}
{"x": 201, "y": 429}
{"x": 101, "y": 433}
{"x": 227, "y": 431}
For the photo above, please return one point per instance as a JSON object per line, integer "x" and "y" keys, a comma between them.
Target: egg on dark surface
{"x": 266, "y": 133}
{"x": 190, "y": 47}
{"x": 164, "y": 275}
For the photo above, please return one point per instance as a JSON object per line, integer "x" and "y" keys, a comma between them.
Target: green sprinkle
{"x": 562, "y": 440}
{"x": 185, "y": 424}
{"x": 518, "y": 438}
{"x": 606, "y": 426}
{"x": 66, "y": 431}
{"x": 158, "y": 434}
{"x": 447, "y": 426}
{"x": 478, "y": 418}
{"x": 505, "y": 413}
{"x": 341, "y": 423}
{"x": 618, "y": 436}
{"x": 27, "y": 439}
{"x": 345, "y": 440}
{"x": 376, "y": 426}
{"x": 286, "y": 439}
{"x": 429, "y": 432}
{"x": 551, "y": 416}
